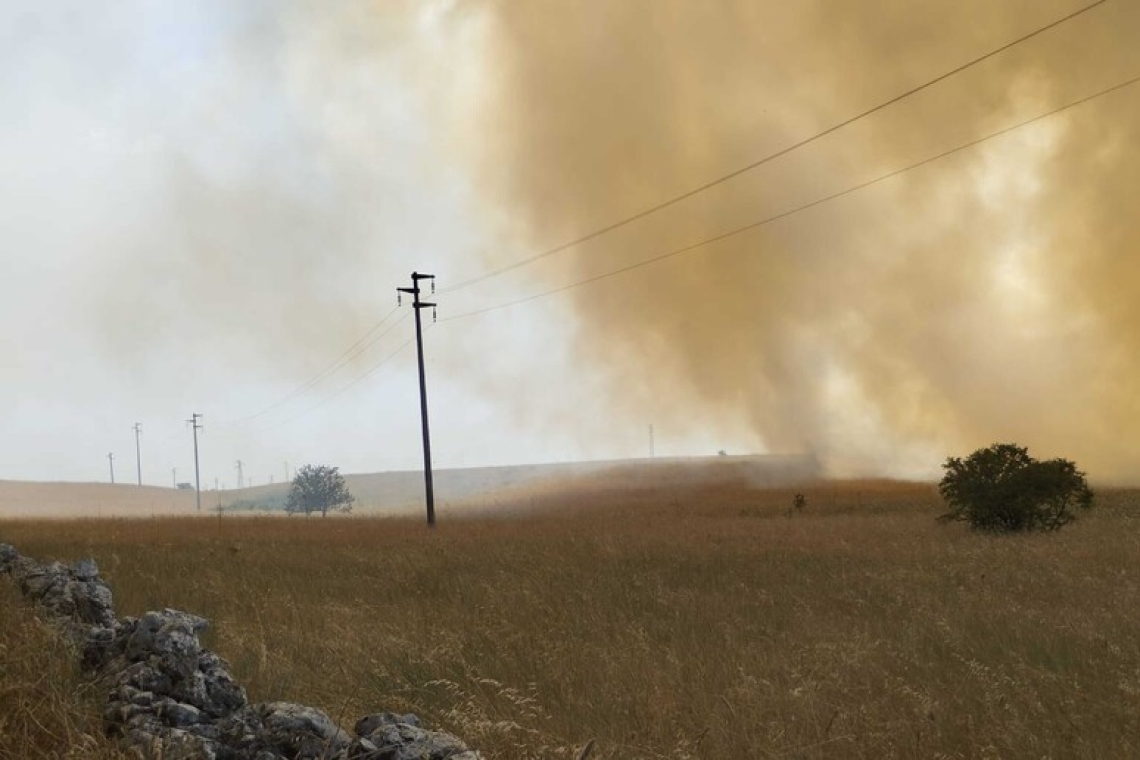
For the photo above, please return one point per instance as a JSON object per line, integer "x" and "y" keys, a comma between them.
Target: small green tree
{"x": 1003, "y": 489}
{"x": 318, "y": 489}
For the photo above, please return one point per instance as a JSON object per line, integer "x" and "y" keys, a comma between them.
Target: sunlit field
{"x": 708, "y": 622}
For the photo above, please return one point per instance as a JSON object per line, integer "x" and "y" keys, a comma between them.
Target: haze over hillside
{"x": 458, "y": 491}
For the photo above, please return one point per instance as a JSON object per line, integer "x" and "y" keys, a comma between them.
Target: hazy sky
{"x": 204, "y": 204}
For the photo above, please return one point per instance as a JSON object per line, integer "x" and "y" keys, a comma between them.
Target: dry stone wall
{"x": 171, "y": 699}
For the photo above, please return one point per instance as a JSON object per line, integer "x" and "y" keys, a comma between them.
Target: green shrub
{"x": 1004, "y": 490}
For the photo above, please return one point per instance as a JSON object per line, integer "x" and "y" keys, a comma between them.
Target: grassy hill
{"x": 459, "y": 492}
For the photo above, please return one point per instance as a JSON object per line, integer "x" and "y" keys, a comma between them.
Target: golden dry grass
{"x": 701, "y": 622}
{"x": 47, "y": 710}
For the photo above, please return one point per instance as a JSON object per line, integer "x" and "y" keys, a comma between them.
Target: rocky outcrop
{"x": 170, "y": 698}
{"x": 74, "y": 594}
{"x": 386, "y": 736}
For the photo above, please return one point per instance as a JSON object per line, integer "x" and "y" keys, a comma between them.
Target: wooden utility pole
{"x": 138, "y": 450}
{"x": 195, "y": 423}
{"x": 417, "y": 304}
{"x": 111, "y": 461}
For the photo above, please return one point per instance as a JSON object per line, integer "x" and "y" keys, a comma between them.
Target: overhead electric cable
{"x": 327, "y": 399}
{"x": 350, "y": 353}
{"x": 766, "y": 159}
{"x": 797, "y": 209}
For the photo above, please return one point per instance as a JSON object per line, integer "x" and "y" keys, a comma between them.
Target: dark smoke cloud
{"x": 992, "y": 296}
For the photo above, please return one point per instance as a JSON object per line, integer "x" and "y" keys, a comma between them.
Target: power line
{"x": 797, "y": 209}
{"x": 350, "y": 353}
{"x": 766, "y": 159}
{"x": 342, "y": 390}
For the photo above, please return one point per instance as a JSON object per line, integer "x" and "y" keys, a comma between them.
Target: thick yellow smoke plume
{"x": 991, "y": 295}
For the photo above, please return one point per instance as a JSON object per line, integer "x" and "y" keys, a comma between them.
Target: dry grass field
{"x": 697, "y": 622}
{"x": 46, "y": 708}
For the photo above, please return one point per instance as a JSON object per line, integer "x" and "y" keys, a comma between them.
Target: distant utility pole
{"x": 651, "y": 442}
{"x": 111, "y": 461}
{"x": 241, "y": 478}
{"x": 417, "y": 304}
{"x": 195, "y": 423}
{"x": 286, "y": 470}
{"x": 138, "y": 451}
{"x": 174, "y": 477}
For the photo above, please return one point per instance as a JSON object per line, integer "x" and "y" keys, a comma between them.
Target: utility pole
{"x": 196, "y": 425}
{"x": 174, "y": 477}
{"x": 417, "y": 304}
{"x": 138, "y": 451}
{"x": 241, "y": 478}
{"x": 111, "y": 461}
{"x": 286, "y": 470}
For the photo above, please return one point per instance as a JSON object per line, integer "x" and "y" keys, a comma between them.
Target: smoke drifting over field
{"x": 992, "y": 295}
{"x": 206, "y": 203}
